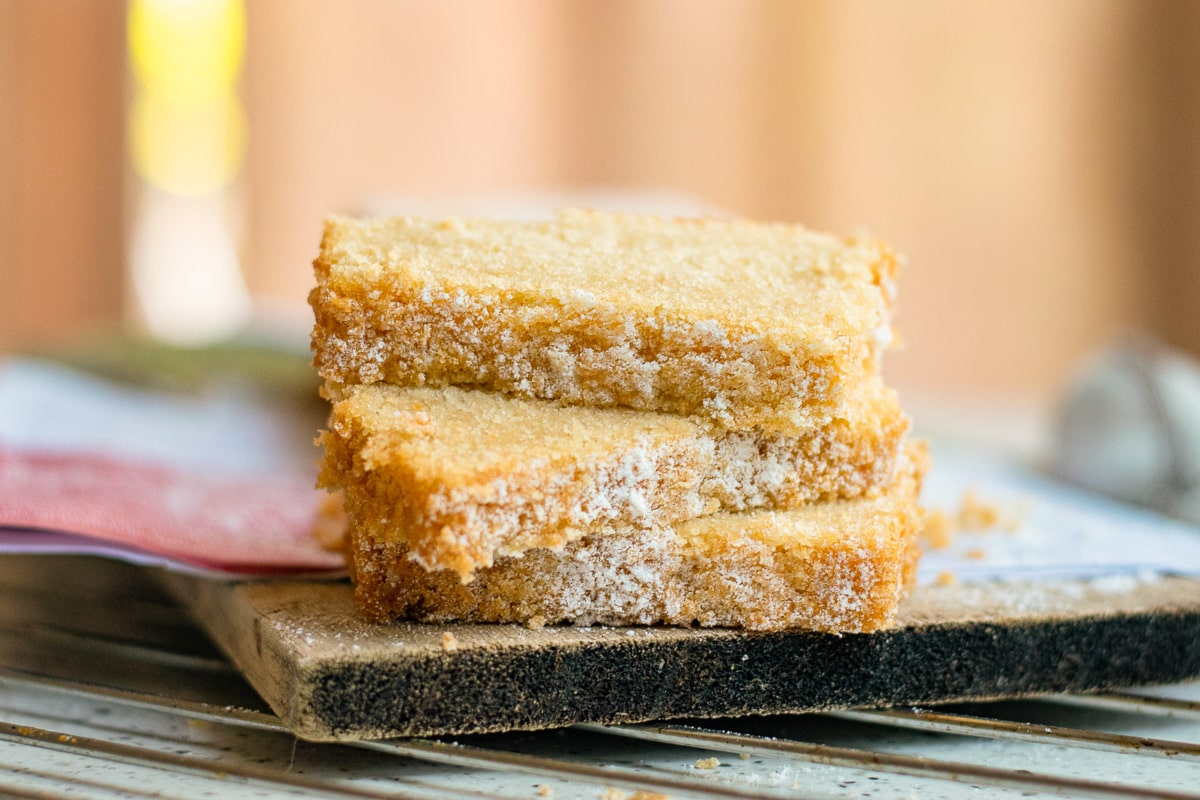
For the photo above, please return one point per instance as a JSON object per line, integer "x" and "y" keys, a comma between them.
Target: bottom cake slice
{"x": 839, "y": 566}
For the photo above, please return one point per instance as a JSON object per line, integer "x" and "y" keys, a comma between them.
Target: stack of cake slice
{"x": 616, "y": 419}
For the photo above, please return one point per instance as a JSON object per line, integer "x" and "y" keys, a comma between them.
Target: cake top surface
{"x": 455, "y": 434}
{"x": 757, "y": 277}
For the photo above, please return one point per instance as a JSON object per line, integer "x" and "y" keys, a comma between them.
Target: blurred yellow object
{"x": 187, "y": 127}
{"x": 187, "y": 148}
{"x": 189, "y": 50}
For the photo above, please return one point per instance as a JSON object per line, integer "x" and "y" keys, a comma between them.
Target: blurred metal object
{"x": 1129, "y": 427}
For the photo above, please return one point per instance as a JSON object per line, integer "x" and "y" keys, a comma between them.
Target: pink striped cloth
{"x": 240, "y": 526}
{"x": 218, "y": 482}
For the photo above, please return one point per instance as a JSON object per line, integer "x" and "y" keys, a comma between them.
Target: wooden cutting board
{"x": 331, "y": 676}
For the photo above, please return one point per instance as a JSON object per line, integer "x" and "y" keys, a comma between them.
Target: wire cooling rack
{"x": 108, "y": 690}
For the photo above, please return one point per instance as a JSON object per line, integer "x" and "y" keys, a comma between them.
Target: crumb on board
{"x": 544, "y": 791}
{"x": 642, "y": 794}
{"x": 535, "y": 623}
{"x": 946, "y": 578}
{"x": 449, "y": 642}
{"x": 974, "y": 514}
{"x": 976, "y": 554}
{"x": 708, "y": 763}
{"x": 744, "y": 756}
{"x": 937, "y": 532}
{"x": 612, "y": 794}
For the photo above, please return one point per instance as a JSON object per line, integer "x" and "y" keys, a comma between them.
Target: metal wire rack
{"x": 107, "y": 690}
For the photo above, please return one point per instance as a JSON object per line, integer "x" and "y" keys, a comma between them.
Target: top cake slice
{"x": 747, "y": 325}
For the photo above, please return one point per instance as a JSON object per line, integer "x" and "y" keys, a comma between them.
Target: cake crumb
{"x": 331, "y": 523}
{"x": 612, "y": 794}
{"x": 975, "y": 554}
{"x": 946, "y": 578}
{"x": 642, "y": 794}
{"x": 708, "y": 763}
{"x": 973, "y": 515}
{"x": 535, "y": 623}
{"x": 976, "y": 514}
{"x": 744, "y": 756}
{"x": 449, "y": 642}
{"x": 937, "y": 532}
{"x": 544, "y": 791}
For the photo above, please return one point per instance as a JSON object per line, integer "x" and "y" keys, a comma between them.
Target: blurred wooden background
{"x": 1039, "y": 163}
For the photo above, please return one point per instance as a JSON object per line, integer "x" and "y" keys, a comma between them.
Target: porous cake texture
{"x": 840, "y": 567}
{"x": 460, "y": 477}
{"x": 747, "y": 325}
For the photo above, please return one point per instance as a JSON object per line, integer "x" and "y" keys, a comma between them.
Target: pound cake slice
{"x": 748, "y": 325}
{"x": 839, "y": 567}
{"x": 458, "y": 477}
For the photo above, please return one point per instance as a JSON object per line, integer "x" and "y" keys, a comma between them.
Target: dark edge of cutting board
{"x": 331, "y": 676}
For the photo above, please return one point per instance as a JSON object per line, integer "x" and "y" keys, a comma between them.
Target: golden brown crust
{"x": 748, "y": 325}
{"x": 840, "y": 566}
{"x": 459, "y": 477}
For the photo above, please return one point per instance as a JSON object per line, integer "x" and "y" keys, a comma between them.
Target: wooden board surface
{"x": 329, "y": 675}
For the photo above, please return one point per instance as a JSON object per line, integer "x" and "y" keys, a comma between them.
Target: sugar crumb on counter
{"x": 937, "y": 532}
{"x": 449, "y": 642}
{"x": 946, "y": 578}
{"x": 708, "y": 763}
{"x": 974, "y": 515}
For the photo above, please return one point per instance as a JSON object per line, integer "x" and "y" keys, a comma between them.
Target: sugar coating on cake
{"x": 745, "y": 324}
{"x": 841, "y": 567}
{"x": 461, "y": 477}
